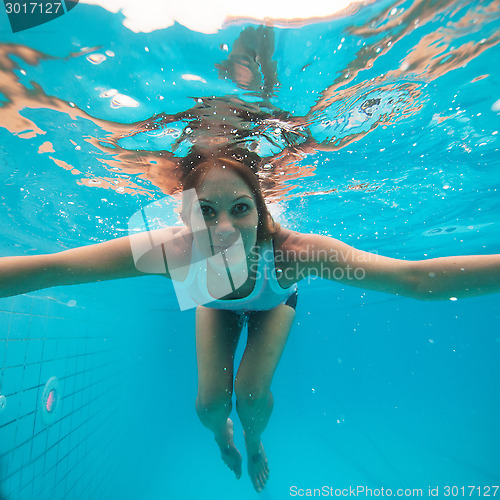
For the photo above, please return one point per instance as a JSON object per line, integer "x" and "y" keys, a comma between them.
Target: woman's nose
{"x": 224, "y": 226}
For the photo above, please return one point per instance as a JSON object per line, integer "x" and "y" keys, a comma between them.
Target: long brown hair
{"x": 199, "y": 162}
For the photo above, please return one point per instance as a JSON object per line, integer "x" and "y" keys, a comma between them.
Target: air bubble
{"x": 108, "y": 93}
{"x": 121, "y": 100}
{"x": 96, "y": 58}
{"x": 193, "y": 78}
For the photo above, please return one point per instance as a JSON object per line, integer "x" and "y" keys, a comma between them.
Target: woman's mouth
{"x": 224, "y": 248}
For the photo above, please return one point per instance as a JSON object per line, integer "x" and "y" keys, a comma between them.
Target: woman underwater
{"x": 242, "y": 267}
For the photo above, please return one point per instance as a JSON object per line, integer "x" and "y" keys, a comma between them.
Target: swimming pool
{"x": 382, "y": 126}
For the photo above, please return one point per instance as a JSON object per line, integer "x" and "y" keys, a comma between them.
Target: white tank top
{"x": 266, "y": 294}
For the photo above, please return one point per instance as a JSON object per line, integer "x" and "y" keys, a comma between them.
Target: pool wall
{"x": 82, "y": 448}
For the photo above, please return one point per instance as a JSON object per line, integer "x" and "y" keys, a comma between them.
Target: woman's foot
{"x": 258, "y": 469}
{"x": 228, "y": 451}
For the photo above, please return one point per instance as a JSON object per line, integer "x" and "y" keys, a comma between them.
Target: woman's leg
{"x": 217, "y": 334}
{"x": 267, "y": 335}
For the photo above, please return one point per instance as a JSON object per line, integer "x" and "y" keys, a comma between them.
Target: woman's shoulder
{"x": 170, "y": 246}
{"x": 293, "y": 247}
{"x": 178, "y": 242}
{"x": 287, "y": 246}
{"x": 177, "y": 239}
{"x": 294, "y": 241}
{"x": 287, "y": 241}
{"x": 287, "y": 251}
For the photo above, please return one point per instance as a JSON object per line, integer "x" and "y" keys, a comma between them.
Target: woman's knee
{"x": 214, "y": 402}
{"x": 251, "y": 392}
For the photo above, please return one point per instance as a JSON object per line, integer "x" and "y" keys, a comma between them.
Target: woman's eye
{"x": 207, "y": 211}
{"x": 240, "y": 208}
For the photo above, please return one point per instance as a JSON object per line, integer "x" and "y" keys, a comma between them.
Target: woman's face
{"x": 229, "y": 212}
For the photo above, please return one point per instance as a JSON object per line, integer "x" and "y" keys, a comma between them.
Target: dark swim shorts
{"x": 292, "y": 300}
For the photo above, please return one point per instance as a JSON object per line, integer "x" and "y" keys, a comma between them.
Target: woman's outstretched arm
{"x": 137, "y": 255}
{"x": 432, "y": 279}
{"x": 461, "y": 276}
{"x": 103, "y": 261}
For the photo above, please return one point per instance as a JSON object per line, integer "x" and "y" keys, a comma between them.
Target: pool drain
{"x": 51, "y": 401}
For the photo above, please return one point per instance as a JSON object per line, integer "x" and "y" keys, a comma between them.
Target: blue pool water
{"x": 380, "y": 128}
